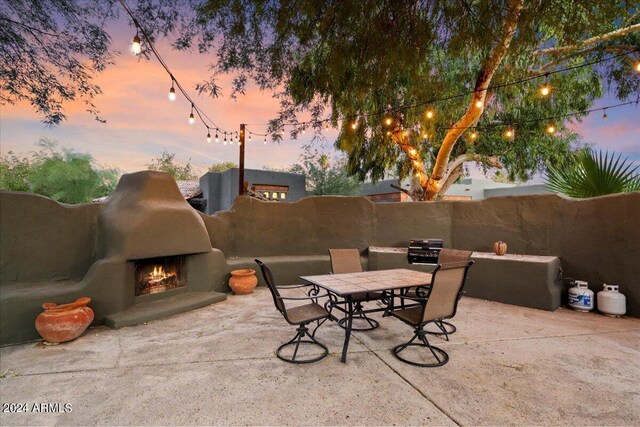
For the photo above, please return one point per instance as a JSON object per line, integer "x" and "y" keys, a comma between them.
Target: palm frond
{"x": 594, "y": 174}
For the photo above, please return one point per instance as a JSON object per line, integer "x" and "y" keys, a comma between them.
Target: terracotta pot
{"x": 243, "y": 281}
{"x": 500, "y": 248}
{"x": 66, "y": 322}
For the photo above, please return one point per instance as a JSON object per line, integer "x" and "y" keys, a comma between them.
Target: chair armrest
{"x": 416, "y": 298}
{"x": 304, "y": 285}
{"x": 314, "y": 297}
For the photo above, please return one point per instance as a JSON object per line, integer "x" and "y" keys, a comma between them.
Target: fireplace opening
{"x": 155, "y": 275}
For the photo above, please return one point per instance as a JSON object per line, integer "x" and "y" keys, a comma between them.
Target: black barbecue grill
{"x": 424, "y": 251}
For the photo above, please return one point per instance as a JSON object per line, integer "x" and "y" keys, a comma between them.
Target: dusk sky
{"x": 142, "y": 122}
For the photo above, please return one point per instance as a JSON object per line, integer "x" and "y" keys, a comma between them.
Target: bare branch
{"x": 588, "y": 42}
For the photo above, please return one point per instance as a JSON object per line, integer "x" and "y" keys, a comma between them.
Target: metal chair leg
{"x": 302, "y": 332}
{"x": 439, "y": 354}
{"x": 446, "y": 329}
{"x": 359, "y": 314}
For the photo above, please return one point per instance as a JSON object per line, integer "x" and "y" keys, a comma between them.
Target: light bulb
{"x": 208, "y": 137}
{"x": 425, "y": 135}
{"x": 545, "y": 90}
{"x": 303, "y": 130}
{"x": 192, "y": 119}
{"x": 604, "y": 116}
{"x": 217, "y": 137}
{"x": 172, "y": 94}
{"x": 418, "y": 174}
{"x": 326, "y": 126}
{"x": 412, "y": 152}
{"x": 136, "y": 47}
{"x": 265, "y": 140}
{"x": 479, "y": 103}
{"x": 354, "y": 125}
{"x": 474, "y": 135}
{"x": 249, "y": 137}
{"x": 416, "y": 163}
{"x": 388, "y": 121}
{"x": 430, "y": 114}
{"x": 638, "y": 66}
{"x": 509, "y": 133}
{"x": 551, "y": 129}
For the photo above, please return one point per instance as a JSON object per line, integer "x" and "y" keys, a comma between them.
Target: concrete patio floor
{"x": 216, "y": 365}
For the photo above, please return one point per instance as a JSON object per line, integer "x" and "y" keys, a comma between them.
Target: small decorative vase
{"x": 500, "y": 248}
{"x": 66, "y": 322}
{"x": 243, "y": 281}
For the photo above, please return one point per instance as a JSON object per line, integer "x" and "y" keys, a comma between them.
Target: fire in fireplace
{"x": 155, "y": 275}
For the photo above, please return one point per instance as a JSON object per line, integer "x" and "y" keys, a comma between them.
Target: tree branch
{"x": 473, "y": 113}
{"x": 545, "y": 68}
{"x": 588, "y": 42}
{"x": 454, "y": 168}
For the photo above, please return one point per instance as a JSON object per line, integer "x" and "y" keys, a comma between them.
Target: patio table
{"x": 348, "y": 284}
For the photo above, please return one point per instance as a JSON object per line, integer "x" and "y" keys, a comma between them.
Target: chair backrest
{"x": 345, "y": 261}
{"x": 268, "y": 278}
{"x": 446, "y": 285}
{"x": 448, "y": 256}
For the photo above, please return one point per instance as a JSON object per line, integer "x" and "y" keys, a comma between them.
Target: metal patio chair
{"x": 440, "y": 302}
{"x": 348, "y": 261}
{"x": 447, "y": 257}
{"x": 300, "y": 316}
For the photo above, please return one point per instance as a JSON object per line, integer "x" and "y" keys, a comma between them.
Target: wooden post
{"x": 241, "y": 162}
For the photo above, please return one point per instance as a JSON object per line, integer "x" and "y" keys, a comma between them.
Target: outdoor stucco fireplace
{"x": 160, "y": 274}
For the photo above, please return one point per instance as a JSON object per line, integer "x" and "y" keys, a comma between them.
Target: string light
{"x": 412, "y": 152}
{"x": 509, "y": 133}
{"x": 545, "y": 89}
{"x": 172, "y": 92}
{"x": 551, "y": 129}
{"x": 192, "y": 118}
{"x": 225, "y": 139}
{"x": 136, "y": 47}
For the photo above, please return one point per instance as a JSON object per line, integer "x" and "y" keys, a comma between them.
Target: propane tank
{"x": 581, "y": 297}
{"x": 611, "y": 302}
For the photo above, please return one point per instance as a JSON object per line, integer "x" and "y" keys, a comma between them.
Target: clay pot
{"x": 66, "y": 322}
{"x": 500, "y": 248}
{"x": 243, "y": 281}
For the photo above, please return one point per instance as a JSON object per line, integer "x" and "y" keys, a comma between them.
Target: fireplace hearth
{"x": 157, "y": 275}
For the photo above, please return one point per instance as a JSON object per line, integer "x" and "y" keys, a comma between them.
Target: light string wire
{"x": 460, "y": 95}
{"x": 541, "y": 119}
{"x": 211, "y": 125}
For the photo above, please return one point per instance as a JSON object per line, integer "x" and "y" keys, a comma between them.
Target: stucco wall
{"x": 598, "y": 240}
{"x": 41, "y": 239}
{"x": 44, "y": 242}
